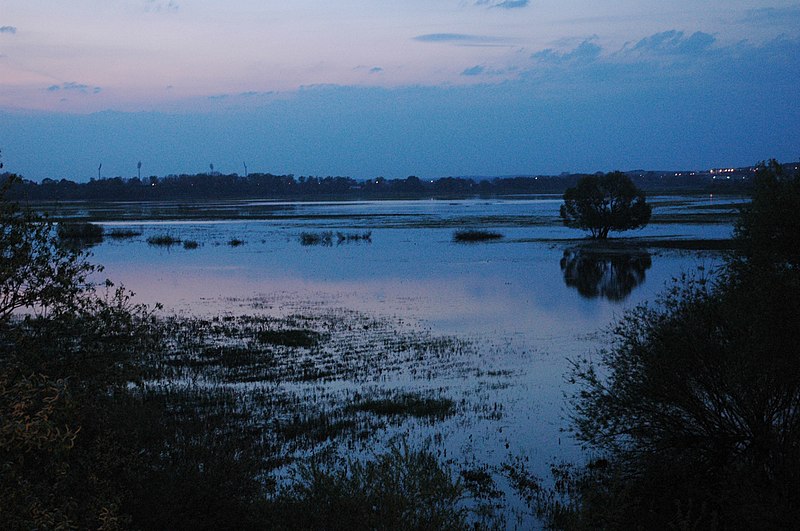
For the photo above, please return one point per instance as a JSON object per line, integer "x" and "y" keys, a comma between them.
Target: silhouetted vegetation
{"x": 235, "y": 242}
{"x": 316, "y": 238}
{"x": 122, "y": 234}
{"x": 114, "y": 418}
{"x": 163, "y": 240}
{"x": 215, "y": 186}
{"x": 79, "y": 231}
{"x": 692, "y": 410}
{"x": 401, "y": 489}
{"x": 604, "y": 203}
{"x": 347, "y": 237}
{"x": 469, "y": 236}
{"x": 190, "y": 244}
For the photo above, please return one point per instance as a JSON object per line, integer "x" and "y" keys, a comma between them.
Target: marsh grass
{"x": 122, "y": 234}
{"x": 235, "y": 242}
{"x": 163, "y": 240}
{"x": 472, "y": 236}
{"x": 190, "y": 244}
{"x": 289, "y": 338}
{"x": 79, "y": 231}
{"x": 406, "y": 404}
{"x": 316, "y": 238}
{"x": 348, "y": 237}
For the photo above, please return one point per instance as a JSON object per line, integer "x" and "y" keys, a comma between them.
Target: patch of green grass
{"x": 163, "y": 240}
{"x": 469, "y": 236}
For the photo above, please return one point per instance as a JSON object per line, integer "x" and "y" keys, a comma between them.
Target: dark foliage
{"x": 78, "y": 230}
{"x": 693, "y": 409}
{"x": 36, "y": 273}
{"x": 604, "y": 203}
{"x": 402, "y": 489}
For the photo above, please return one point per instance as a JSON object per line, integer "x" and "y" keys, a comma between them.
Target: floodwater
{"x": 528, "y": 302}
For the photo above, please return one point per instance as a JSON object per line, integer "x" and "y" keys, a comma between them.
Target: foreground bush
{"x": 693, "y": 409}
{"x": 402, "y": 489}
{"x": 79, "y": 230}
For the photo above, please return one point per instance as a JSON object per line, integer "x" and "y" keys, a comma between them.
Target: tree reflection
{"x": 608, "y": 274}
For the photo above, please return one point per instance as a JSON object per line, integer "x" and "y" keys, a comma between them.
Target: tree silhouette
{"x": 602, "y": 203}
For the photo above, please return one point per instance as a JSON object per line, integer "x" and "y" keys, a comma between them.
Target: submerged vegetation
{"x": 121, "y": 234}
{"x": 163, "y": 240}
{"x": 473, "y": 235}
{"x": 326, "y": 238}
{"x": 78, "y": 230}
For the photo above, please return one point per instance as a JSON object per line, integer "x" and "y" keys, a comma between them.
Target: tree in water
{"x": 604, "y": 203}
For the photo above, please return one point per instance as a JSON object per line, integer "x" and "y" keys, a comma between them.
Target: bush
{"x": 402, "y": 489}
{"x": 77, "y": 230}
{"x": 692, "y": 410}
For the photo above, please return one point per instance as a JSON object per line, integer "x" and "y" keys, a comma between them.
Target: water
{"x": 527, "y": 303}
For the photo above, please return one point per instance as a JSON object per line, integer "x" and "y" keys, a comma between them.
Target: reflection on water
{"x": 608, "y": 274}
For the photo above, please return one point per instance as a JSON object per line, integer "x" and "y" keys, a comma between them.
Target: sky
{"x": 368, "y": 88}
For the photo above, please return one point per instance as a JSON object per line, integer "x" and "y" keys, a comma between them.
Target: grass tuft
{"x": 121, "y": 234}
{"x": 163, "y": 240}
{"x": 289, "y": 338}
{"x": 469, "y": 236}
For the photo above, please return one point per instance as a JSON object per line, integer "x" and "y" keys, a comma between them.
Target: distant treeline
{"x": 260, "y": 185}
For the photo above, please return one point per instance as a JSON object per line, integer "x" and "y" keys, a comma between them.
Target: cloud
{"x": 674, "y": 43}
{"x": 8, "y": 29}
{"x": 157, "y": 6}
{"x": 72, "y": 86}
{"x": 473, "y": 71}
{"x": 504, "y": 4}
{"x": 461, "y": 39}
{"x": 770, "y": 15}
{"x": 585, "y": 52}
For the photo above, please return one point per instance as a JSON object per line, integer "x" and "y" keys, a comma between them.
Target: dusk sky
{"x": 376, "y": 88}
